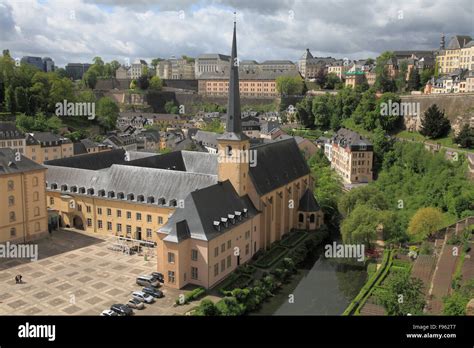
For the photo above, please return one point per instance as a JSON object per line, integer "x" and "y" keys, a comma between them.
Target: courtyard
{"x": 77, "y": 274}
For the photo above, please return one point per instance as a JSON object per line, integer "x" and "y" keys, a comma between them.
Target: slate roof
{"x": 8, "y": 164}
{"x": 308, "y": 203}
{"x": 203, "y": 207}
{"x": 348, "y": 138}
{"x": 458, "y": 41}
{"x": 8, "y": 130}
{"x": 93, "y": 161}
{"x": 278, "y": 163}
{"x": 206, "y": 138}
{"x": 149, "y": 182}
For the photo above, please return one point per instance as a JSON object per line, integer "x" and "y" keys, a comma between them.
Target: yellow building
{"x": 103, "y": 193}
{"x": 11, "y": 137}
{"x": 455, "y": 55}
{"x": 23, "y": 214}
{"x": 352, "y": 157}
{"x": 46, "y": 146}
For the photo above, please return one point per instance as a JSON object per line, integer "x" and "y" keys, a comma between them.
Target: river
{"x": 321, "y": 287}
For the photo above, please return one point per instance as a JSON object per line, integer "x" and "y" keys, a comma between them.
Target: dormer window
{"x": 140, "y": 198}
{"x": 63, "y": 187}
{"x": 173, "y": 203}
{"x": 82, "y": 190}
{"x": 217, "y": 225}
{"x": 225, "y": 221}
{"x": 245, "y": 212}
{"x": 238, "y": 214}
{"x": 73, "y": 189}
{"x": 232, "y": 218}
{"x": 53, "y": 186}
{"x": 120, "y": 195}
{"x": 111, "y": 194}
{"x": 150, "y": 199}
{"x": 90, "y": 191}
{"x": 162, "y": 201}
{"x": 130, "y": 197}
{"x": 101, "y": 193}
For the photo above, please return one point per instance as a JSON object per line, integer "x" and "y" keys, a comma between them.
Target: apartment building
{"x": 210, "y": 63}
{"x": 46, "y": 146}
{"x": 351, "y": 156}
{"x": 451, "y": 57}
{"x": 23, "y": 214}
{"x": 12, "y": 138}
{"x": 137, "y": 69}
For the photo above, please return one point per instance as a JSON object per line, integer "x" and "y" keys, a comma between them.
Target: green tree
{"x": 207, "y": 308}
{"x": 21, "y": 100}
{"x": 426, "y": 75}
{"x": 361, "y": 225}
{"x": 143, "y": 82}
{"x": 414, "y": 82}
{"x": 229, "y": 306}
{"x": 465, "y": 138}
{"x": 304, "y": 112}
{"x": 156, "y": 83}
{"x": 10, "y": 104}
{"x": 434, "y": 124}
{"x": 401, "y": 294}
{"x": 389, "y": 121}
{"x": 214, "y": 126}
{"x": 333, "y": 81}
{"x": 107, "y": 113}
{"x": 383, "y": 82}
{"x": 425, "y": 222}
{"x": 289, "y": 85}
{"x": 171, "y": 108}
{"x": 321, "y": 112}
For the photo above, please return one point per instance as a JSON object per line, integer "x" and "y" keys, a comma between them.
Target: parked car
{"x": 153, "y": 292}
{"x": 121, "y": 309}
{"x": 108, "y": 313}
{"x": 147, "y": 281}
{"x": 135, "y": 304}
{"x": 141, "y": 296}
{"x": 158, "y": 276}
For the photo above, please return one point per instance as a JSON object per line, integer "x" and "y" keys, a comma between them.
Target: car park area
{"x": 78, "y": 274}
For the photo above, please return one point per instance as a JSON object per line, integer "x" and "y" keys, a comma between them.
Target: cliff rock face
{"x": 458, "y": 108}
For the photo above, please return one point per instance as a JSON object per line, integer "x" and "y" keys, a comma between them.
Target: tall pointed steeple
{"x": 234, "y": 122}
{"x": 233, "y": 145}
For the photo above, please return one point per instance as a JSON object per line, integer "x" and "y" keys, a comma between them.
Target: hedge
{"x": 271, "y": 257}
{"x": 191, "y": 296}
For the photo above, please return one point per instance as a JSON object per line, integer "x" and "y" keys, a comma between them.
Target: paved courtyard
{"x": 76, "y": 274}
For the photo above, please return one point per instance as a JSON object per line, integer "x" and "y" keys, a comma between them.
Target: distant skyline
{"x": 78, "y": 30}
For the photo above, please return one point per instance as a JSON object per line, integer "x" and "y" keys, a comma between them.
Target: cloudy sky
{"x": 78, "y": 30}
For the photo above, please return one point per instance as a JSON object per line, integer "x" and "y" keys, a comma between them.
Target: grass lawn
{"x": 446, "y": 141}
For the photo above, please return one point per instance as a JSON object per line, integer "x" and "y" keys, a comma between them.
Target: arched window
{"x": 12, "y": 232}
{"x": 311, "y": 218}
{"x": 228, "y": 150}
{"x": 35, "y": 196}
{"x": 11, "y": 185}
{"x": 11, "y": 201}
{"x": 301, "y": 217}
{"x": 12, "y": 216}
{"x": 37, "y": 211}
{"x": 35, "y": 181}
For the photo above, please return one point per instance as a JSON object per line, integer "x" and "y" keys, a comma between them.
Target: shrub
{"x": 191, "y": 296}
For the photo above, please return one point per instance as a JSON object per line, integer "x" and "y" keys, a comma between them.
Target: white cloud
{"x": 78, "y": 30}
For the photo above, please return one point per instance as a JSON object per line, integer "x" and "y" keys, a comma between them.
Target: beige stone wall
{"x": 236, "y": 246}
{"x": 30, "y": 219}
{"x": 93, "y": 212}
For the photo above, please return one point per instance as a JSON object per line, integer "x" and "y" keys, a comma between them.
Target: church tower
{"x": 233, "y": 146}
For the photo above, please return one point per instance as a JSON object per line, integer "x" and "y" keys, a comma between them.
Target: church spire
{"x": 234, "y": 122}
